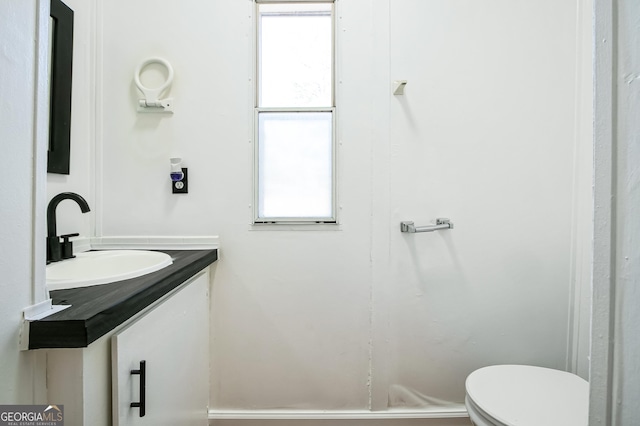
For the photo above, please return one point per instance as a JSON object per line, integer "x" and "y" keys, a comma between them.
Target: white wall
{"x": 291, "y": 308}
{"x": 363, "y": 316}
{"x": 582, "y": 221}
{"x": 627, "y": 260}
{"x": 486, "y": 136}
{"x": 615, "y": 344}
{"x": 81, "y": 171}
{"x": 23, "y": 138}
{"x": 20, "y": 376}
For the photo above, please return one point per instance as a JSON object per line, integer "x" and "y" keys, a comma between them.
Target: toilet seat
{"x": 479, "y": 417}
{"x": 522, "y": 395}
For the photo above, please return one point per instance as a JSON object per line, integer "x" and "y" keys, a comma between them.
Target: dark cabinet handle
{"x": 143, "y": 384}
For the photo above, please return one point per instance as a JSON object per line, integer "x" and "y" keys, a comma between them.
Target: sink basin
{"x": 104, "y": 267}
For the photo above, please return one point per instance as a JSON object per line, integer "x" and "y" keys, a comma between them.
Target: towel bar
{"x": 441, "y": 223}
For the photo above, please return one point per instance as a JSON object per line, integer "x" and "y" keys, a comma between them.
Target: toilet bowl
{"x": 523, "y": 395}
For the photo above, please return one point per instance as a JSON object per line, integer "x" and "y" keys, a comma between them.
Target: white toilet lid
{"x": 523, "y": 395}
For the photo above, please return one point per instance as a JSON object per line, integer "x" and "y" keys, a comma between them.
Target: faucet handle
{"x": 53, "y": 249}
{"x": 67, "y": 246}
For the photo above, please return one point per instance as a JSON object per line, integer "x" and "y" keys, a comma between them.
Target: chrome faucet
{"x": 57, "y": 250}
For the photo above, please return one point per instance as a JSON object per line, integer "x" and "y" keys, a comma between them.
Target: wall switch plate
{"x": 180, "y": 186}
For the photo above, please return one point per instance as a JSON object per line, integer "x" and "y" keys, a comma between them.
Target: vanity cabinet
{"x": 95, "y": 384}
{"x": 166, "y": 349}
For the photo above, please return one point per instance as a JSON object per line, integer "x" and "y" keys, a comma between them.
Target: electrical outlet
{"x": 180, "y": 186}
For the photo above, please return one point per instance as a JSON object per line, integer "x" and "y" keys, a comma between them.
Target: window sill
{"x": 292, "y": 226}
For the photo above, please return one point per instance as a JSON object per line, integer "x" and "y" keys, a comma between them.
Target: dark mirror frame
{"x": 60, "y": 103}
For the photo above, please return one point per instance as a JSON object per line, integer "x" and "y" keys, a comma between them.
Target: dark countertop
{"x": 97, "y": 310}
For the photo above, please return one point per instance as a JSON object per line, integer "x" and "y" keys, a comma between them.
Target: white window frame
{"x": 333, "y": 219}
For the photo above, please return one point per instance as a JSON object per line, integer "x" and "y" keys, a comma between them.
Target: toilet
{"x": 524, "y": 395}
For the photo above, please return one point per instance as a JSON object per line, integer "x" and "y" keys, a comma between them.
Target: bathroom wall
{"x": 360, "y": 316}
{"x": 23, "y": 139}
{"x": 583, "y": 202}
{"x": 486, "y": 135}
{"x": 21, "y": 375}
{"x": 624, "y": 386}
{"x": 291, "y": 308}
{"x": 615, "y": 350}
{"x": 82, "y": 172}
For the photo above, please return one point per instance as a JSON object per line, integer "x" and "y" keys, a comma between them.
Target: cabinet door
{"x": 173, "y": 340}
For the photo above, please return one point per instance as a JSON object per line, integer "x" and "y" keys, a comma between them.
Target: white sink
{"x": 104, "y": 267}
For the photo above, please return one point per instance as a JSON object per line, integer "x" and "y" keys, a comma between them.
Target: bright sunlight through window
{"x": 295, "y": 152}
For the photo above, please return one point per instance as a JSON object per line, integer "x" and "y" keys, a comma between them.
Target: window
{"x": 295, "y": 113}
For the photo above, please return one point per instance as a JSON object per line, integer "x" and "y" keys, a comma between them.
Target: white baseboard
{"x": 457, "y": 411}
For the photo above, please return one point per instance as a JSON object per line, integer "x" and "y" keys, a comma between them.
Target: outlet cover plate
{"x": 181, "y": 186}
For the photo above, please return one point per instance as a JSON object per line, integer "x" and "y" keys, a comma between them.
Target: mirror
{"x": 61, "y": 37}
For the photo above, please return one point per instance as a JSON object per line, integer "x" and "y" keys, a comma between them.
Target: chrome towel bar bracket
{"x": 441, "y": 223}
